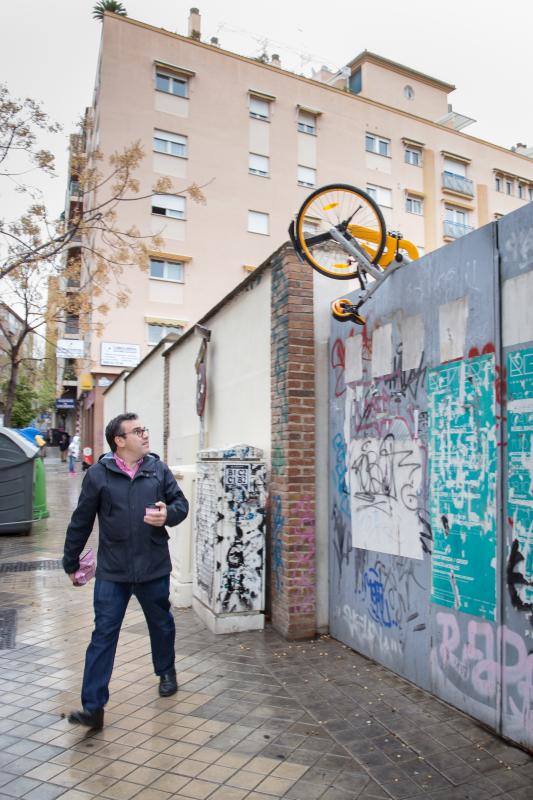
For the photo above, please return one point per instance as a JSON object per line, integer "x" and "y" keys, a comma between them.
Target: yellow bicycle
{"x": 341, "y": 233}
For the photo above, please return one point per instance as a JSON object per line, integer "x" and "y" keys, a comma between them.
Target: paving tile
{"x": 255, "y": 718}
{"x": 275, "y": 786}
{"x": 45, "y": 792}
{"x": 18, "y": 787}
{"x": 122, "y": 790}
{"x": 171, "y": 783}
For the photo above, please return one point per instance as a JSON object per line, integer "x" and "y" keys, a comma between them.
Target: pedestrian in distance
{"x": 134, "y": 495}
{"x": 73, "y": 453}
{"x": 64, "y": 441}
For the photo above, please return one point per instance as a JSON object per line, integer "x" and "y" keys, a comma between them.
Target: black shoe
{"x": 168, "y": 684}
{"x": 90, "y": 719}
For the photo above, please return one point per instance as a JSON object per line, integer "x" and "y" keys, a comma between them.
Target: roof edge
{"x": 375, "y": 58}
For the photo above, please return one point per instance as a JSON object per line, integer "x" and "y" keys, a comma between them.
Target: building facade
{"x": 258, "y": 139}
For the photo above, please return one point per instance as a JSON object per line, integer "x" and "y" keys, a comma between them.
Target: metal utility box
{"x": 17, "y": 457}
{"x": 229, "y": 539}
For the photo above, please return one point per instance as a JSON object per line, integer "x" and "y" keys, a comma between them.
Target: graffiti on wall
{"x": 303, "y": 557}
{"x": 230, "y": 536}
{"x": 241, "y": 537}
{"x": 205, "y": 531}
{"x": 389, "y": 591}
{"x": 280, "y": 358}
{"x": 278, "y": 522}
{"x": 462, "y": 484}
{"x": 482, "y": 662}
{"x": 520, "y": 477}
{"x": 385, "y": 483}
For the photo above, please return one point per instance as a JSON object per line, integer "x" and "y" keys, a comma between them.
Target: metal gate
{"x": 431, "y": 469}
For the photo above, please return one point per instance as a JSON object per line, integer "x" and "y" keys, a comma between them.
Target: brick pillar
{"x": 292, "y": 484}
{"x": 166, "y": 406}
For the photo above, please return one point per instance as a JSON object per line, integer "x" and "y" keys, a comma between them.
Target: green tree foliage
{"x": 23, "y": 407}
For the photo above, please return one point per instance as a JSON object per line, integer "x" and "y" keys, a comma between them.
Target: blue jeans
{"x": 71, "y": 463}
{"x": 111, "y": 600}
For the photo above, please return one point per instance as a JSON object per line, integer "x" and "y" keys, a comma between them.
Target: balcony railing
{"x": 456, "y": 183}
{"x": 456, "y": 229}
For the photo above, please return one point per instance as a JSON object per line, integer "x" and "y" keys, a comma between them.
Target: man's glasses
{"x": 140, "y": 432}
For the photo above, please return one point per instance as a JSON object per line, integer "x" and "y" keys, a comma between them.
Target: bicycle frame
{"x": 358, "y": 252}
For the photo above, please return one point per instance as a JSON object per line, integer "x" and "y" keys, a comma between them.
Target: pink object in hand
{"x": 87, "y": 569}
{"x": 152, "y": 509}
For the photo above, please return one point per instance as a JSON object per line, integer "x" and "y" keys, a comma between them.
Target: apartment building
{"x": 259, "y": 138}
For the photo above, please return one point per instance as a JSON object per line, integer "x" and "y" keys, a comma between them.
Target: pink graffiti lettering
{"x": 477, "y": 664}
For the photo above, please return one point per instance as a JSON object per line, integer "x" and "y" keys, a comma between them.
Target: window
{"x": 498, "y": 183}
{"x": 168, "y": 205}
{"x": 258, "y": 222}
{"x": 309, "y": 226}
{"x": 375, "y": 144}
{"x": 452, "y": 167}
{"x": 306, "y": 122}
{"x": 72, "y": 324}
{"x": 166, "y": 270}
{"x": 530, "y": 193}
{"x": 258, "y": 165}
{"x": 355, "y": 81}
{"x": 306, "y": 176}
{"x": 171, "y": 84}
{"x": 521, "y": 191}
{"x": 414, "y": 205}
{"x": 509, "y": 186}
{"x": 413, "y": 156}
{"x": 457, "y": 215}
{"x": 380, "y": 194}
{"x": 173, "y": 144}
{"x": 259, "y": 109}
{"x": 157, "y": 332}
{"x": 408, "y": 92}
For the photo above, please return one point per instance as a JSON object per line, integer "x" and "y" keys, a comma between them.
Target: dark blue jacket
{"x": 129, "y": 550}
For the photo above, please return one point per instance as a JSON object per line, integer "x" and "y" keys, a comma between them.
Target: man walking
{"x": 134, "y": 495}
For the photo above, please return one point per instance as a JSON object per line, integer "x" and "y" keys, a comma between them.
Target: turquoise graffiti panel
{"x": 520, "y": 466}
{"x": 462, "y": 475}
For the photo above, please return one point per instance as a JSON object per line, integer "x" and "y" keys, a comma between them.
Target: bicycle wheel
{"x": 354, "y": 214}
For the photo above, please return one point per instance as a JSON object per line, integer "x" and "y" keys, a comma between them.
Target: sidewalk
{"x": 255, "y": 717}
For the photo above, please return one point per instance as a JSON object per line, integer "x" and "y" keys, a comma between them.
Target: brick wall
{"x": 292, "y": 484}
{"x": 166, "y": 407}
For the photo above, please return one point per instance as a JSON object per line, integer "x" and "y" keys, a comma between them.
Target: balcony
{"x": 456, "y": 183}
{"x": 454, "y": 230}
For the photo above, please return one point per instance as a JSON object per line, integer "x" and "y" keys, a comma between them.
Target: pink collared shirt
{"x": 130, "y": 471}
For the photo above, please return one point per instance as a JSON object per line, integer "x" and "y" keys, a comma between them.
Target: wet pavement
{"x": 255, "y": 717}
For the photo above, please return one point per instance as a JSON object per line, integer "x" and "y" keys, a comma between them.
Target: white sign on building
{"x": 70, "y": 348}
{"x": 119, "y": 354}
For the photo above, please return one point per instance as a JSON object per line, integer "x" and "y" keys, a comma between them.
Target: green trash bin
{"x": 40, "y": 510}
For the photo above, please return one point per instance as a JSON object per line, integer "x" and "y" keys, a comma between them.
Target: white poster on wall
{"x": 385, "y": 482}
{"x": 120, "y": 354}
{"x": 69, "y": 348}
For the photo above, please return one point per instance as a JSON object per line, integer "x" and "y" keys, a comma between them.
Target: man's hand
{"x": 72, "y": 576}
{"x": 157, "y": 518}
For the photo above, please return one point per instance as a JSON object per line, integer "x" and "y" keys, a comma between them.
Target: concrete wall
{"x": 144, "y": 396}
{"x": 238, "y": 378}
{"x": 431, "y": 551}
{"x": 114, "y": 399}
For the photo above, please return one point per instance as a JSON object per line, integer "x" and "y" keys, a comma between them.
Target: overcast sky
{"x": 48, "y": 51}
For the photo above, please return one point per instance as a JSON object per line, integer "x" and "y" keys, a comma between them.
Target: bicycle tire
{"x": 307, "y": 241}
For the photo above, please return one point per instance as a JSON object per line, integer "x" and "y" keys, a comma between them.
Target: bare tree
{"x": 39, "y": 245}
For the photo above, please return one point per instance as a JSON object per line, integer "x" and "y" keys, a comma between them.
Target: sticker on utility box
{"x": 237, "y": 476}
